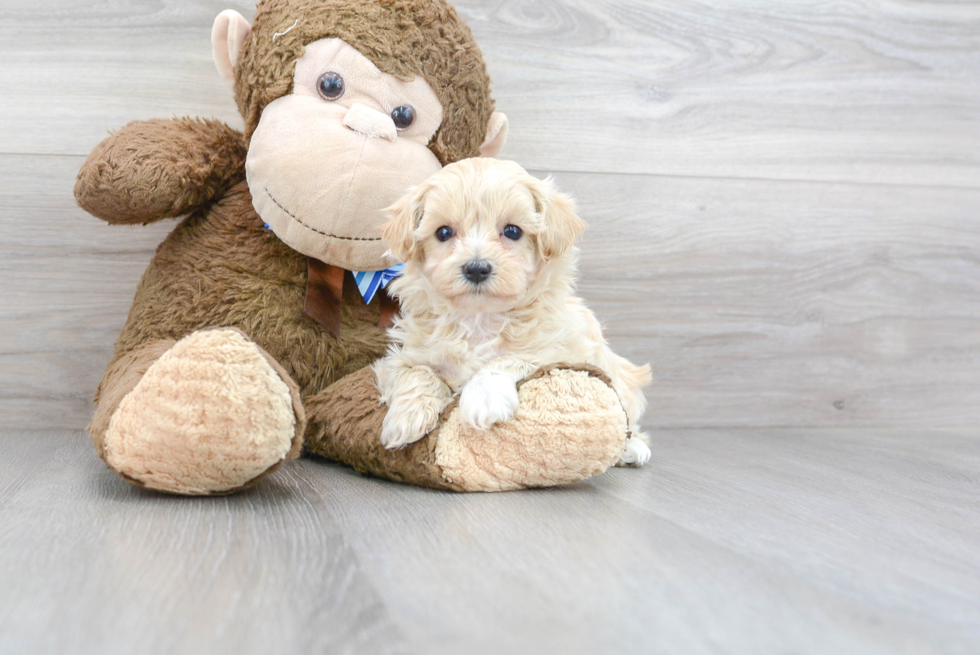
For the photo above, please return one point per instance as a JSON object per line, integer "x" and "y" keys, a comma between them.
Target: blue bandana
{"x": 368, "y": 282}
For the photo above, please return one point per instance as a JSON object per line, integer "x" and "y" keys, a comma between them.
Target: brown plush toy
{"x": 248, "y": 319}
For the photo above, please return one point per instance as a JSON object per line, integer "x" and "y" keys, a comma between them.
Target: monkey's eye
{"x": 513, "y": 232}
{"x": 444, "y": 233}
{"x": 403, "y": 117}
{"x": 331, "y": 86}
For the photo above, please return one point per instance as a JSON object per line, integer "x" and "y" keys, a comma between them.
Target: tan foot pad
{"x": 570, "y": 426}
{"x": 210, "y": 416}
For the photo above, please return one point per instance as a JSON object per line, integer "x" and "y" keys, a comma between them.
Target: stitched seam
{"x": 350, "y": 181}
{"x": 310, "y": 227}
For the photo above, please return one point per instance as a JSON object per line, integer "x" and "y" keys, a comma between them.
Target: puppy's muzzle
{"x": 477, "y": 271}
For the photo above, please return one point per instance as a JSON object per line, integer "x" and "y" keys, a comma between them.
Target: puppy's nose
{"x": 477, "y": 271}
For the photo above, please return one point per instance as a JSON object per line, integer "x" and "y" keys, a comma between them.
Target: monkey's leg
{"x": 210, "y": 414}
{"x": 570, "y": 426}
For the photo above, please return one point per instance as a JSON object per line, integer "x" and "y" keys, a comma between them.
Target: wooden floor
{"x": 731, "y": 541}
{"x": 784, "y": 210}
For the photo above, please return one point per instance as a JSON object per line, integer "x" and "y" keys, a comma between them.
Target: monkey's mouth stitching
{"x": 313, "y": 229}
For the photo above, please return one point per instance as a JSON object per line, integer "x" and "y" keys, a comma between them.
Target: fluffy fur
{"x": 456, "y": 336}
{"x": 228, "y": 396}
{"x": 220, "y": 267}
{"x": 156, "y": 169}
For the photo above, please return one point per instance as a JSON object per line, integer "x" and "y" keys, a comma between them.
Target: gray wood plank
{"x": 758, "y": 303}
{"x": 75, "y": 69}
{"x": 856, "y": 91}
{"x": 782, "y": 303}
{"x": 853, "y": 91}
{"x": 735, "y": 541}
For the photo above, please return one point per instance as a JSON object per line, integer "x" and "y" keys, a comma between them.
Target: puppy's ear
{"x": 404, "y": 217}
{"x": 562, "y": 224}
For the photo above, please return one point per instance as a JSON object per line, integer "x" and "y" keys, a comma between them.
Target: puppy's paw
{"x": 636, "y": 453}
{"x": 409, "y": 420}
{"x": 487, "y": 399}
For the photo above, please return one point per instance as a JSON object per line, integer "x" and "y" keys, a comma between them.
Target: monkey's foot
{"x": 212, "y": 415}
{"x": 569, "y": 426}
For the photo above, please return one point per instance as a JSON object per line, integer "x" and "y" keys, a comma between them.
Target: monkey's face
{"x": 347, "y": 142}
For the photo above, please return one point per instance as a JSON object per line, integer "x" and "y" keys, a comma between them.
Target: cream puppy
{"x": 487, "y": 297}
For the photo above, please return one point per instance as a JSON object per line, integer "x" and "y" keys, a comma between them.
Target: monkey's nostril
{"x": 477, "y": 271}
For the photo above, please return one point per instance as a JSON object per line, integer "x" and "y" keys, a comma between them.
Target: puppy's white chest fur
{"x": 482, "y": 330}
{"x": 480, "y": 342}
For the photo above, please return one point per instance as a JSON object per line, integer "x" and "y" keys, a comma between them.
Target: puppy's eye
{"x": 513, "y": 232}
{"x": 444, "y": 233}
{"x": 331, "y": 86}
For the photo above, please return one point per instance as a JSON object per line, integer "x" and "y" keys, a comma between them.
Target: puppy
{"x": 487, "y": 297}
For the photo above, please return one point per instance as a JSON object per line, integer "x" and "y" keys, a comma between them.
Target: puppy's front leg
{"x": 415, "y": 396}
{"x": 491, "y": 395}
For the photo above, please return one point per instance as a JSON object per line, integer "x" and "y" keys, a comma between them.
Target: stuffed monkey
{"x": 251, "y": 332}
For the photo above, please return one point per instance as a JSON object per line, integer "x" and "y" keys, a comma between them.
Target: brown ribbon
{"x": 325, "y": 293}
{"x": 389, "y": 310}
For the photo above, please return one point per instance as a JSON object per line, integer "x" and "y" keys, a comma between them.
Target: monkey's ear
{"x": 228, "y": 35}
{"x": 496, "y": 135}
{"x": 405, "y": 216}
{"x": 562, "y": 224}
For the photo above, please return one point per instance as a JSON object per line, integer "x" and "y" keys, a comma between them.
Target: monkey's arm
{"x": 160, "y": 168}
